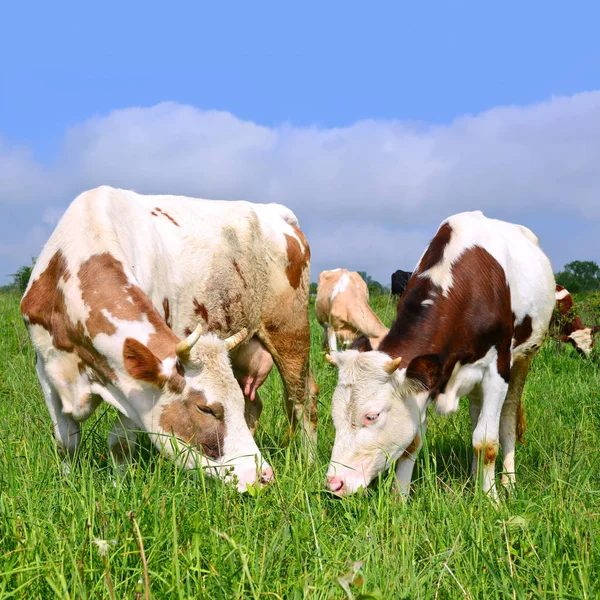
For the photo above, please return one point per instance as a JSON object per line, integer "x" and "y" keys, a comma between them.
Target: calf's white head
{"x": 376, "y": 413}
{"x": 200, "y": 402}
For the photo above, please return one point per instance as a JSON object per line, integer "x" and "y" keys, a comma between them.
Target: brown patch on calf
{"x": 298, "y": 258}
{"x": 44, "y": 305}
{"x": 435, "y": 251}
{"x": 185, "y": 419}
{"x": 490, "y": 452}
{"x": 409, "y": 452}
{"x": 154, "y": 213}
{"x": 522, "y": 331}
{"x": 475, "y": 316}
{"x": 362, "y": 343}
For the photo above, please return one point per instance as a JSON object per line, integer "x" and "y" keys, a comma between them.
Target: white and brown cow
{"x": 342, "y": 309}
{"x": 472, "y": 317}
{"x": 568, "y": 326}
{"x": 125, "y": 277}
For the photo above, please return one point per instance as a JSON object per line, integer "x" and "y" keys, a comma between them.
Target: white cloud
{"x": 369, "y": 196}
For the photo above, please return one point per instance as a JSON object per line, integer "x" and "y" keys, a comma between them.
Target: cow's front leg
{"x": 121, "y": 442}
{"x": 331, "y": 339}
{"x": 406, "y": 463}
{"x": 475, "y": 397}
{"x": 486, "y": 433}
{"x": 67, "y": 432}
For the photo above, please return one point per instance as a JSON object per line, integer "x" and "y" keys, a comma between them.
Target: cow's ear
{"x": 362, "y": 344}
{"x": 141, "y": 363}
{"x": 426, "y": 370}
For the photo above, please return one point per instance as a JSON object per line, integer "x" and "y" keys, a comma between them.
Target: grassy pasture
{"x": 200, "y": 539}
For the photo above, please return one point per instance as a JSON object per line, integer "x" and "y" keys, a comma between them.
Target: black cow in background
{"x": 399, "y": 280}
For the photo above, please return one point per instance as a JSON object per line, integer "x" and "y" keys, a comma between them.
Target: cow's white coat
{"x": 163, "y": 259}
{"x": 364, "y": 448}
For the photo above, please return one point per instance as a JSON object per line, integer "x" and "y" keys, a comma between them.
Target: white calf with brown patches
{"x": 473, "y": 315}
{"x": 342, "y": 309}
{"x": 124, "y": 278}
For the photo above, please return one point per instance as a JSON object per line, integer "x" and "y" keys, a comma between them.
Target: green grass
{"x": 203, "y": 540}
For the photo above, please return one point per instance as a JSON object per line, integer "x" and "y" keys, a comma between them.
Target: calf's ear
{"x": 426, "y": 370}
{"x": 141, "y": 363}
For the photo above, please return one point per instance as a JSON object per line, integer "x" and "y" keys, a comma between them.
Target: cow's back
{"x": 527, "y": 269}
{"x": 195, "y": 260}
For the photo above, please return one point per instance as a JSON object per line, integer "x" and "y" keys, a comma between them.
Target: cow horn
{"x": 237, "y": 338}
{"x": 391, "y": 365}
{"x": 184, "y": 347}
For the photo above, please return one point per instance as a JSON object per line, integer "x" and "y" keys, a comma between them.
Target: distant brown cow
{"x": 569, "y": 326}
{"x": 343, "y": 310}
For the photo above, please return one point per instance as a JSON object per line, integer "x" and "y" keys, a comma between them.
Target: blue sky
{"x": 414, "y": 111}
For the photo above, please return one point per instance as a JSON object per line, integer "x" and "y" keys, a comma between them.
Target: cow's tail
{"x": 595, "y": 329}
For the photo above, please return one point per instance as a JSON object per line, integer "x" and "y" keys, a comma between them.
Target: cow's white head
{"x": 376, "y": 413}
{"x": 201, "y": 403}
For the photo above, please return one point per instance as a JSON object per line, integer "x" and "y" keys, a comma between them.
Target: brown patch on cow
{"x": 44, "y": 305}
{"x": 426, "y": 369}
{"x": 187, "y": 331}
{"x": 105, "y": 288}
{"x": 165, "y": 214}
{"x": 523, "y": 331}
{"x": 290, "y": 351}
{"x": 475, "y": 316}
{"x": 167, "y": 311}
{"x": 239, "y": 272}
{"x": 362, "y": 343}
{"x": 435, "y": 251}
{"x": 490, "y": 452}
{"x": 186, "y": 420}
{"x": 154, "y": 213}
{"x": 141, "y": 364}
{"x": 171, "y": 219}
{"x": 298, "y": 258}
{"x": 200, "y": 310}
{"x": 409, "y": 452}
{"x": 300, "y": 235}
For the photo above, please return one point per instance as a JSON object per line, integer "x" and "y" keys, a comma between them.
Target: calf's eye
{"x": 371, "y": 417}
{"x": 206, "y": 410}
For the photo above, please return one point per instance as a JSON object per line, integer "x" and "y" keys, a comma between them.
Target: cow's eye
{"x": 206, "y": 410}
{"x": 371, "y": 417}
